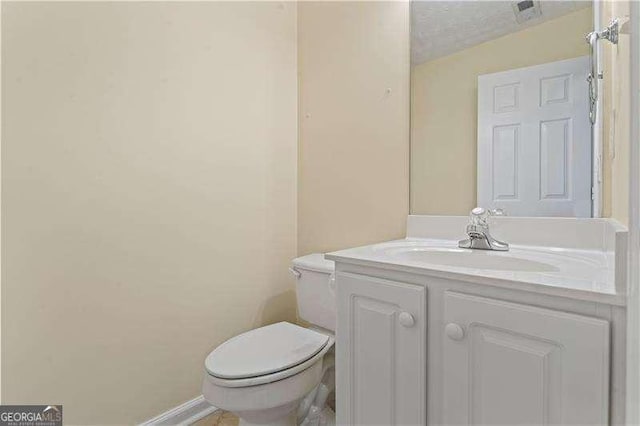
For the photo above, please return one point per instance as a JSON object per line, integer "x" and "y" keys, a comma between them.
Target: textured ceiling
{"x": 440, "y": 28}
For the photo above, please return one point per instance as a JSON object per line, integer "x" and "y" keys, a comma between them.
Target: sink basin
{"x": 472, "y": 259}
{"x": 565, "y": 265}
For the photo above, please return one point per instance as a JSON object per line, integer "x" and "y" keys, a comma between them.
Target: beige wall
{"x": 354, "y": 123}
{"x": 149, "y": 196}
{"x": 444, "y": 107}
{"x": 616, "y": 115}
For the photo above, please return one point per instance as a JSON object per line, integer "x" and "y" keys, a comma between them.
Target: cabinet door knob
{"x": 406, "y": 319}
{"x": 332, "y": 285}
{"x": 454, "y": 331}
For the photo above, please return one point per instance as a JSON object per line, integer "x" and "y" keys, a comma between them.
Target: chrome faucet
{"x": 478, "y": 231}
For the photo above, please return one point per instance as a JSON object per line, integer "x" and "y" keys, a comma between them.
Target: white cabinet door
{"x": 381, "y": 352}
{"x": 534, "y": 140}
{"x": 512, "y": 364}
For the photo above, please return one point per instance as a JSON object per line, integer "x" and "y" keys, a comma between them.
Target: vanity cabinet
{"x": 508, "y": 363}
{"x": 462, "y": 358}
{"x": 381, "y": 341}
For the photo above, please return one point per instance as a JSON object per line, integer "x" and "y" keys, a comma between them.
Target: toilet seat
{"x": 266, "y": 354}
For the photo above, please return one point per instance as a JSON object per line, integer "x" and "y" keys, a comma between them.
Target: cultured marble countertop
{"x": 585, "y": 274}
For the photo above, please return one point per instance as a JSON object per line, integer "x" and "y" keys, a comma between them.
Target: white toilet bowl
{"x": 263, "y": 375}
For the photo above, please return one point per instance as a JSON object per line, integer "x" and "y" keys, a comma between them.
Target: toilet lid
{"x": 265, "y": 350}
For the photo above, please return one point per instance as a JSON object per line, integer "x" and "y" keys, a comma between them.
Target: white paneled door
{"x": 534, "y": 140}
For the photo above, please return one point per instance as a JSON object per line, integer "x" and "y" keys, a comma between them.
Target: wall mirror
{"x": 500, "y": 108}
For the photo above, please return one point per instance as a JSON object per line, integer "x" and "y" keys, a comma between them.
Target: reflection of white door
{"x": 534, "y": 140}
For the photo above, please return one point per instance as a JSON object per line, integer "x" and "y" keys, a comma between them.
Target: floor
{"x": 219, "y": 418}
{"x": 225, "y": 418}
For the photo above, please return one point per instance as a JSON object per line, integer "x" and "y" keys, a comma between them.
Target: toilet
{"x": 271, "y": 375}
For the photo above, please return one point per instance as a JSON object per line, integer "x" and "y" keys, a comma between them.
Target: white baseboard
{"x": 184, "y": 414}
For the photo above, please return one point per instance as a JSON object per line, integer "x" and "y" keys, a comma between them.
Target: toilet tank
{"x": 316, "y": 291}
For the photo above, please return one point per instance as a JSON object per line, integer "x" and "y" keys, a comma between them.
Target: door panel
{"x": 507, "y": 366}
{"x": 555, "y": 167}
{"x": 505, "y": 161}
{"x": 516, "y": 364}
{"x": 381, "y": 352}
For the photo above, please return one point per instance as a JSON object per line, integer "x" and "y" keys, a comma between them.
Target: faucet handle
{"x": 480, "y": 215}
{"x": 479, "y": 211}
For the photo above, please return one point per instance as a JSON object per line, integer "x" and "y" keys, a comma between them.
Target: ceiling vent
{"x": 526, "y": 10}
